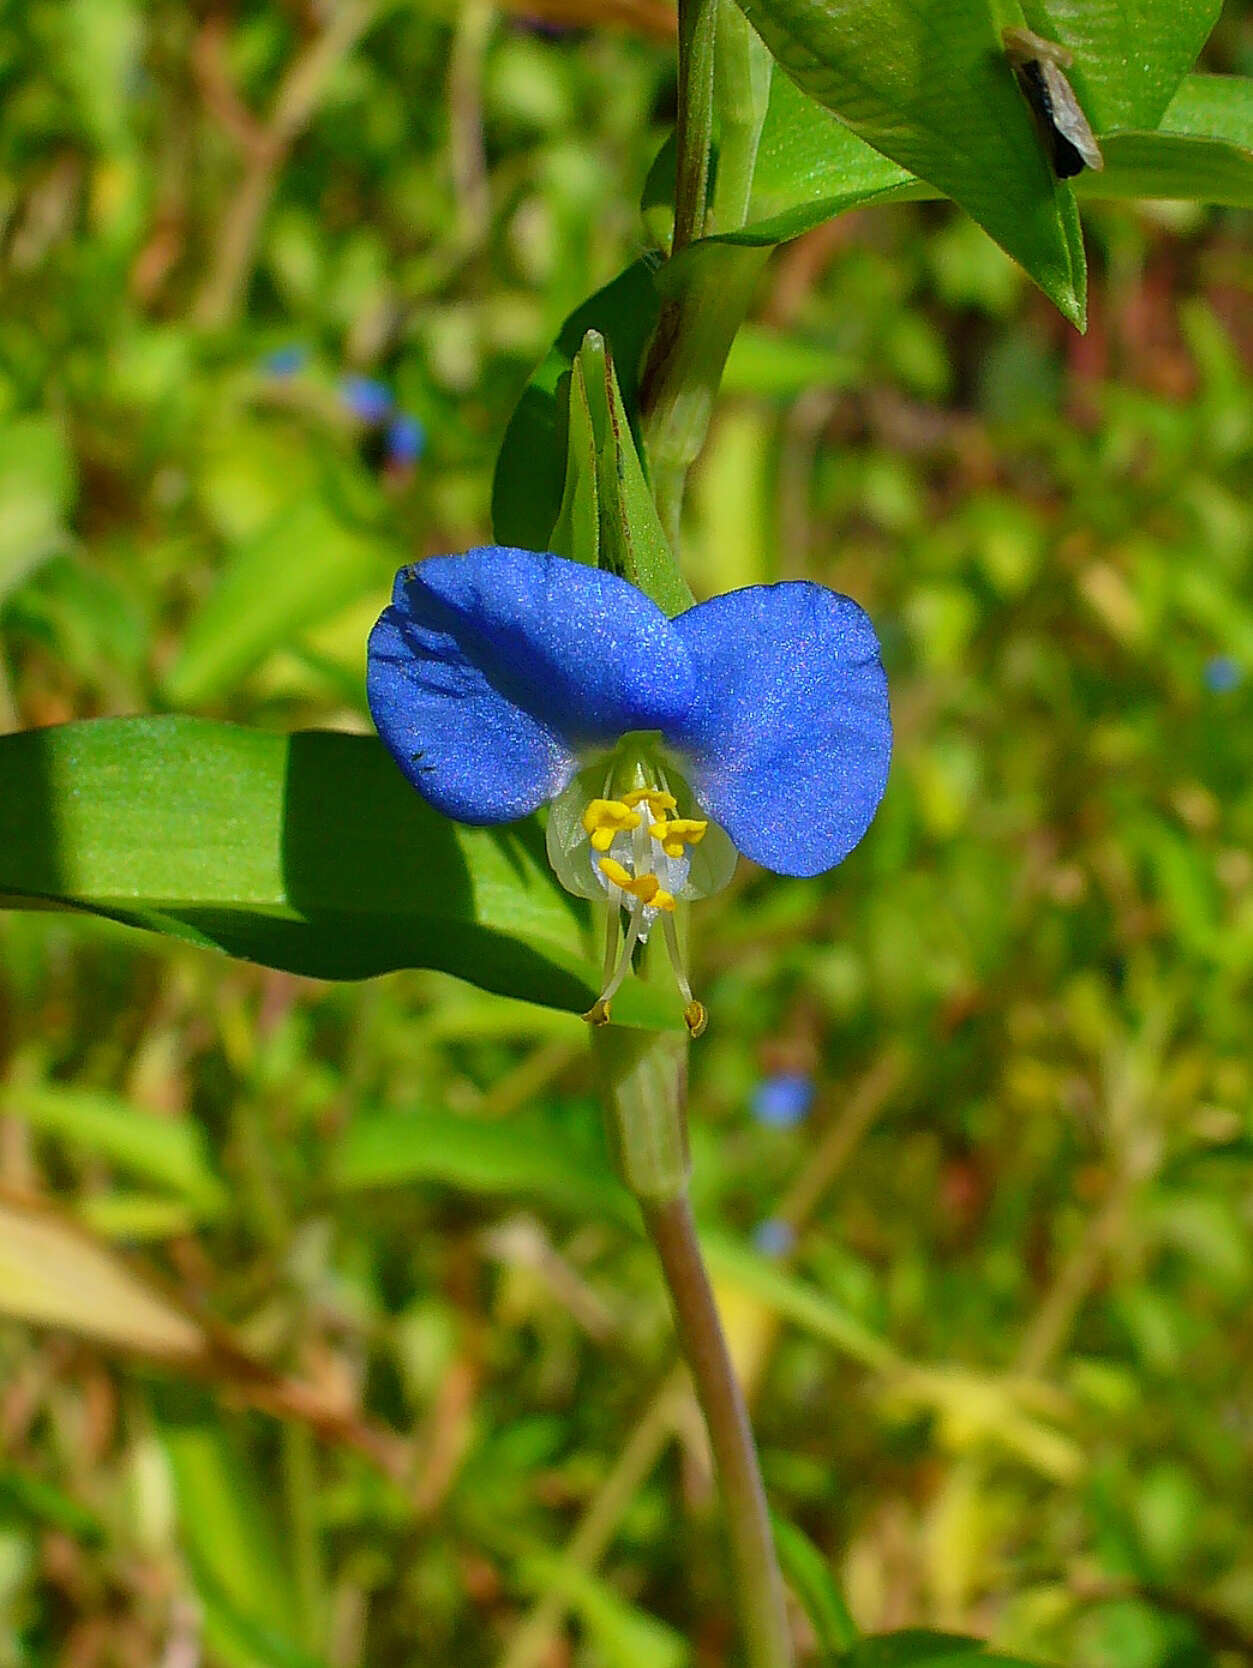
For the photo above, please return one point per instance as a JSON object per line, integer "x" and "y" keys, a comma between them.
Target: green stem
{"x": 758, "y": 1584}
{"x": 694, "y": 335}
{"x": 709, "y": 288}
{"x": 694, "y": 122}
{"x": 643, "y": 1079}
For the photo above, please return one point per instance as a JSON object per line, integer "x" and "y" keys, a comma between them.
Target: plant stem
{"x": 694, "y": 121}
{"x": 724, "y": 70}
{"x": 694, "y": 335}
{"x": 758, "y": 1584}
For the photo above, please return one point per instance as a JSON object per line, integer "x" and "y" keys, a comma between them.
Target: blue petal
{"x": 491, "y": 672}
{"x": 790, "y": 736}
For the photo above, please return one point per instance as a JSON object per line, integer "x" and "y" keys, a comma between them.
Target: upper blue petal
{"x": 491, "y": 671}
{"x": 790, "y": 736}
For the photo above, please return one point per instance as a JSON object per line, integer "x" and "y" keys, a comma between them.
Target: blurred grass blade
{"x": 523, "y": 1156}
{"x": 920, "y": 1648}
{"x": 233, "y": 1545}
{"x": 1129, "y": 55}
{"x": 795, "y": 1300}
{"x": 813, "y": 1582}
{"x": 299, "y": 569}
{"x": 624, "y": 1635}
{"x": 167, "y": 1151}
{"x": 306, "y": 852}
{"x": 44, "y": 1503}
{"x": 37, "y": 488}
{"x": 132, "y": 1218}
{"x": 928, "y": 85}
{"x": 52, "y": 1274}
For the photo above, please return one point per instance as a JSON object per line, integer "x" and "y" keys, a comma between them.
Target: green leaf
{"x": 1142, "y": 165}
{"x": 920, "y": 1648}
{"x": 53, "y": 1274}
{"x": 526, "y": 1155}
{"x": 168, "y": 1151}
{"x": 307, "y": 852}
{"x": 300, "y": 568}
{"x": 811, "y": 1579}
{"x": 530, "y": 469}
{"x": 1213, "y": 107}
{"x": 810, "y": 167}
{"x": 1129, "y": 55}
{"x": 37, "y": 487}
{"x": 927, "y": 83}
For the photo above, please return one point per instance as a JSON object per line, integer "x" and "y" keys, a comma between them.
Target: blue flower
{"x": 1222, "y": 674}
{"x": 286, "y": 361}
{"x": 366, "y": 398}
{"x": 782, "y": 1101}
{"x": 773, "y": 1237}
{"x": 505, "y": 679}
{"x": 406, "y": 439}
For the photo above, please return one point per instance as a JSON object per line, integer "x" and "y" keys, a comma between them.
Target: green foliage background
{"x": 356, "y": 1325}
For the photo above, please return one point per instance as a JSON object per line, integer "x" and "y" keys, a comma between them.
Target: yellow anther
{"x": 614, "y": 871}
{"x": 657, "y": 801}
{"x": 677, "y": 833}
{"x": 695, "y": 1017}
{"x": 598, "y": 1013}
{"x": 647, "y": 888}
{"x": 606, "y": 817}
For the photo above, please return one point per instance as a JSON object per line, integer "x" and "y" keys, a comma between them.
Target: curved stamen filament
{"x": 694, "y": 1015}
{"x": 598, "y": 1013}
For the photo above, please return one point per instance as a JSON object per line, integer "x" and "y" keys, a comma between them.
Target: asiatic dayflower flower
{"x": 366, "y": 398}
{"x": 782, "y": 1100}
{"x": 405, "y": 440}
{"x": 755, "y": 722}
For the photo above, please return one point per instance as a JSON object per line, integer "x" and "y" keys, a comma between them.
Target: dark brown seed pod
{"x": 1039, "y": 65}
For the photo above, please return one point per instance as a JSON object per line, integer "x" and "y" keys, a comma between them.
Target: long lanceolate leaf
{"x": 306, "y": 852}
{"x": 927, "y": 83}
{"x": 1129, "y": 55}
{"x": 811, "y": 167}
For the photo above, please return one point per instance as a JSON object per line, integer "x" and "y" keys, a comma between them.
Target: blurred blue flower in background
{"x": 367, "y": 399}
{"x": 286, "y": 361}
{"x": 784, "y": 1100}
{"x": 504, "y": 679}
{"x": 406, "y": 439}
{"x": 773, "y": 1237}
{"x": 1223, "y": 674}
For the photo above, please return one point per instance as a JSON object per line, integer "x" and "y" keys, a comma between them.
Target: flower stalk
{"x": 758, "y": 1584}
{"x": 643, "y": 1081}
